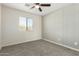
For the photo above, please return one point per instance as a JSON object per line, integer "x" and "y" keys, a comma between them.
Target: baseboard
{"x": 62, "y": 45}
{"x": 20, "y": 42}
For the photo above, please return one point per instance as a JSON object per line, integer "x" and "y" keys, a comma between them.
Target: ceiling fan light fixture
{"x": 36, "y": 6}
{"x": 39, "y": 5}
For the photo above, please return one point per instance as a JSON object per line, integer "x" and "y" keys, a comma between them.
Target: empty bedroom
{"x": 39, "y": 29}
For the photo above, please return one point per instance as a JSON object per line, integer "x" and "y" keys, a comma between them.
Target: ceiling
{"x": 46, "y": 10}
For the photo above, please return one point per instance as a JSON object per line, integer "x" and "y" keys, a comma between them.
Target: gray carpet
{"x": 37, "y": 48}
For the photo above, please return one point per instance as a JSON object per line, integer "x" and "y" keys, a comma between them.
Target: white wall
{"x": 52, "y": 26}
{"x": 10, "y": 21}
{"x": 71, "y": 25}
{"x": 62, "y": 26}
{"x": 0, "y": 26}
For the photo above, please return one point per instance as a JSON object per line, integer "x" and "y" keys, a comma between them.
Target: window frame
{"x": 27, "y": 25}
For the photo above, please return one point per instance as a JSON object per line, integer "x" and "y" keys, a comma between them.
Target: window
{"x": 25, "y": 23}
{"x": 29, "y": 24}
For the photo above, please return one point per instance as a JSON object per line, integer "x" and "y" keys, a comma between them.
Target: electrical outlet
{"x": 75, "y": 43}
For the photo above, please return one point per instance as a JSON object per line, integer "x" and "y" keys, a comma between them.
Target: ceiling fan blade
{"x": 37, "y": 3}
{"x": 32, "y": 7}
{"x": 40, "y": 9}
{"x": 45, "y": 5}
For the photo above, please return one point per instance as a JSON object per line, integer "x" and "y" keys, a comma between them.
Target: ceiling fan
{"x": 39, "y": 5}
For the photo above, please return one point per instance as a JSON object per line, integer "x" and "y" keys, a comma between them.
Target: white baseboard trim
{"x": 20, "y": 42}
{"x": 62, "y": 45}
